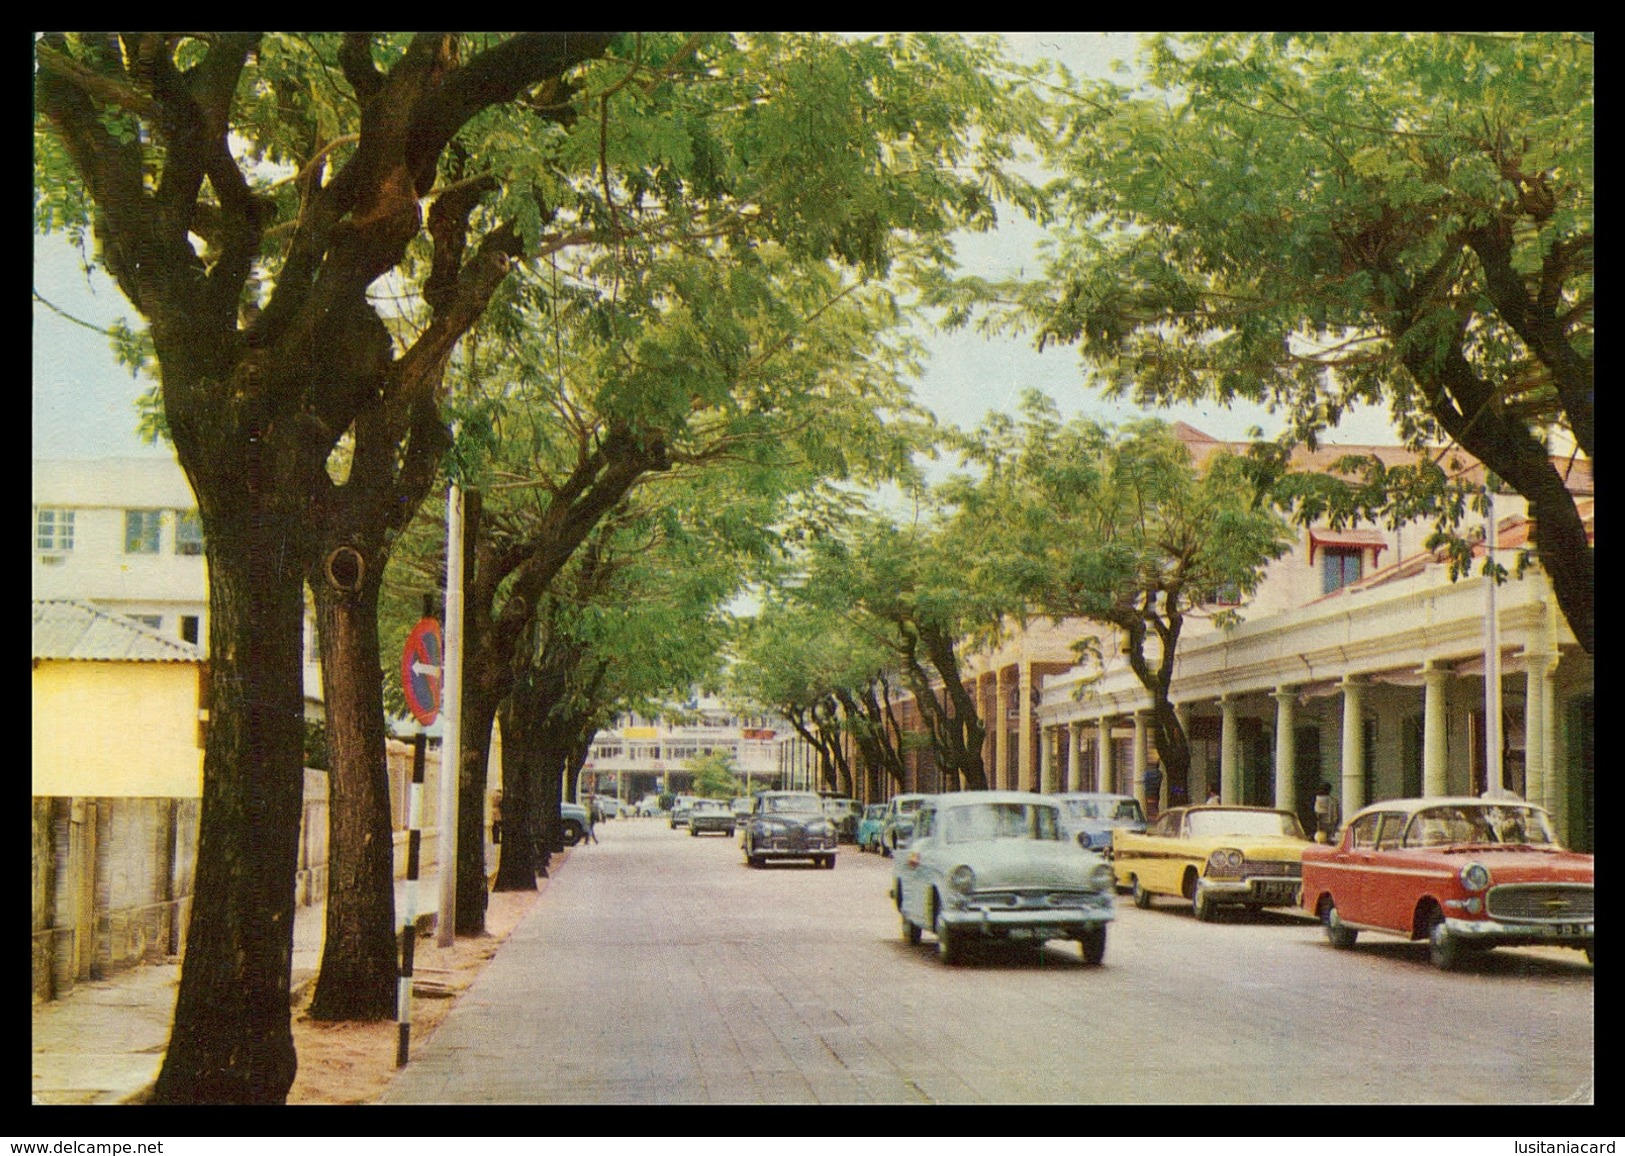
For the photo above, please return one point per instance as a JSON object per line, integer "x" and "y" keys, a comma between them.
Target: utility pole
{"x": 1494, "y": 769}
{"x": 451, "y": 761}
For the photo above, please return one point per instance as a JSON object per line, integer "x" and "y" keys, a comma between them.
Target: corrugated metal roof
{"x": 68, "y": 629}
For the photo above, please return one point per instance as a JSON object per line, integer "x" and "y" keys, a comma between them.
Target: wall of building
{"x": 112, "y": 876}
{"x": 116, "y": 729}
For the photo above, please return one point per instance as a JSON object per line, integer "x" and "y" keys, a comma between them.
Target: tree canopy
{"x": 1122, "y": 528}
{"x": 1314, "y": 220}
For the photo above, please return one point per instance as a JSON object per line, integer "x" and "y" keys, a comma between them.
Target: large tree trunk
{"x": 232, "y": 1042}
{"x": 359, "y": 973}
{"x": 517, "y": 864}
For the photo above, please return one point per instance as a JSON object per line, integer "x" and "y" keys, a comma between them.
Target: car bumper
{"x": 1043, "y": 922}
{"x": 1271, "y": 891}
{"x": 725, "y": 828}
{"x": 1494, "y": 933}
{"x": 779, "y": 849}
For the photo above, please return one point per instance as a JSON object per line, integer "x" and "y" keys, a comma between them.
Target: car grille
{"x": 1277, "y": 868}
{"x": 1031, "y": 898}
{"x": 1557, "y": 902}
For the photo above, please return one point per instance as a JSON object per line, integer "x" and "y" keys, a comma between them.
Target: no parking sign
{"x": 423, "y": 670}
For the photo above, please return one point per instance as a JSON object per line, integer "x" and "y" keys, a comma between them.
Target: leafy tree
{"x": 1316, "y": 220}
{"x": 255, "y": 288}
{"x": 905, "y": 589}
{"x": 715, "y": 775}
{"x": 249, "y": 191}
{"x": 634, "y": 618}
{"x": 827, "y": 679}
{"x": 1075, "y": 520}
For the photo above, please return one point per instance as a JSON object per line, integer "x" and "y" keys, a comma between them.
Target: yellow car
{"x": 1214, "y": 856}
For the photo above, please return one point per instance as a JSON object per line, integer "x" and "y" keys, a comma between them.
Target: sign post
{"x": 421, "y": 666}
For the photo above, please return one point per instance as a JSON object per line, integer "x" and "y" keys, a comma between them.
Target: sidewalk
{"x": 104, "y": 1042}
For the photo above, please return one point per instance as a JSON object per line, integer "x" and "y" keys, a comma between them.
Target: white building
{"x": 123, "y": 534}
{"x": 1357, "y": 645}
{"x": 640, "y": 755}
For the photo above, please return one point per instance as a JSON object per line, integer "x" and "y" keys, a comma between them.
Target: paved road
{"x": 658, "y": 969}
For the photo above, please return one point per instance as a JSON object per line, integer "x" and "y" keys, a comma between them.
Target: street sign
{"x": 422, "y": 670}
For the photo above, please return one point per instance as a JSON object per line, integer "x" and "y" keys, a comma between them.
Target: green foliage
{"x": 715, "y": 775}
{"x": 1076, "y": 520}
{"x": 1312, "y": 221}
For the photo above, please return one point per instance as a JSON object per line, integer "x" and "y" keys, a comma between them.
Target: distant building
{"x": 641, "y": 755}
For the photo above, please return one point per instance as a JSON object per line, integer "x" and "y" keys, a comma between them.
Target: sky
{"x": 84, "y": 402}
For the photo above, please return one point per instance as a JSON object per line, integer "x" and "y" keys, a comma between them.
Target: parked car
{"x": 1090, "y": 817}
{"x": 986, "y": 865}
{"x": 789, "y": 825}
{"x": 844, "y": 813}
{"x": 711, "y": 815}
{"x": 1214, "y": 857}
{"x": 609, "y": 807}
{"x": 572, "y": 823}
{"x": 1462, "y": 874}
{"x": 680, "y": 806}
{"x": 898, "y": 825}
{"x": 648, "y": 805}
{"x": 870, "y": 826}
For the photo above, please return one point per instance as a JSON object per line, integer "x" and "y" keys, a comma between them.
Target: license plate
{"x": 1273, "y": 892}
{"x": 1572, "y": 929}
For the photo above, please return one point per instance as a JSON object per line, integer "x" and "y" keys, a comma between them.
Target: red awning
{"x": 1346, "y": 539}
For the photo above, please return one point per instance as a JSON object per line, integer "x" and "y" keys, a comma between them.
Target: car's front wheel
{"x": 949, "y": 948}
{"x": 911, "y": 933}
{"x": 1446, "y": 950}
{"x": 1093, "y": 944}
{"x": 1142, "y": 897}
{"x": 1338, "y": 933}
{"x": 1203, "y": 907}
{"x": 571, "y": 832}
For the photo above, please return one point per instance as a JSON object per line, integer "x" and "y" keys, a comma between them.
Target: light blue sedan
{"x": 870, "y": 827}
{"x": 997, "y": 865}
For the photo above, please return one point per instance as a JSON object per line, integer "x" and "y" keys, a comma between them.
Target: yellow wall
{"x": 126, "y": 729}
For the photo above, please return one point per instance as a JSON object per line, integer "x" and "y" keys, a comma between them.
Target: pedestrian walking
{"x": 496, "y": 816}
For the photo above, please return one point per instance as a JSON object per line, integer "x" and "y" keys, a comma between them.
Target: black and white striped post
{"x": 409, "y": 926}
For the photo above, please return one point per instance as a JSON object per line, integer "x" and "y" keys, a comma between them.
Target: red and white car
{"x": 1462, "y": 874}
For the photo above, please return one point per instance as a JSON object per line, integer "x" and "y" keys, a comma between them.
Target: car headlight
{"x": 1475, "y": 877}
{"x": 1225, "y": 861}
{"x": 962, "y": 879}
{"x": 1102, "y": 877}
{"x": 822, "y": 827}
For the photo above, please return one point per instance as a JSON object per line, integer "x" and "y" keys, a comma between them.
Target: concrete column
{"x": 1229, "y": 751}
{"x": 1286, "y": 748}
{"x": 1026, "y": 773}
{"x": 1353, "y": 745}
{"x": 1074, "y": 757}
{"x": 1182, "y": 712}
{"x": 1434, "y": 763}
{"x": 1108, "y": 773}
{"x": 1046, "y": 760}
{"x": 1139, "y": 757}
{"x": 1001, "y": 735}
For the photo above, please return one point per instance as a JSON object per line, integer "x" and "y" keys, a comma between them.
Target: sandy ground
{"x": 351, "y": 1063}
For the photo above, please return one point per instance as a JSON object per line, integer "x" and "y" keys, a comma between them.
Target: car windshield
{"x": 1204, "y": 823}
{"x": 710, "y": 805}
{"x": 1118, "y": 810}
{"x": 792, "y": 803}
{"x": 1465, "y": 824}
{"x": 983, "y": 821}
{"x": 874, "y": 810}
{"x": 908, "y": 806}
